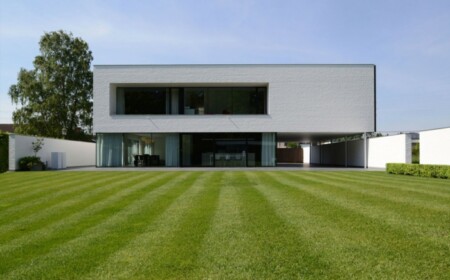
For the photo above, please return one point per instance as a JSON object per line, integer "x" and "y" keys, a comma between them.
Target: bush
{"x": 27, "y": 163}
{"x": 4, "y": 150}
{"x": 416, "y": 153}
{"x": 422, "y": 170}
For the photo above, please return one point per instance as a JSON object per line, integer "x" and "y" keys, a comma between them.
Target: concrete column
{"x": 346, "y": 151}
{"x": 320, "y": 154}
{"x": 365, "y": 149}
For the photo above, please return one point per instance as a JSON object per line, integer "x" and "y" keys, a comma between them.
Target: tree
{"x": 56, "y": 95}
{"x": 37, "y": 145}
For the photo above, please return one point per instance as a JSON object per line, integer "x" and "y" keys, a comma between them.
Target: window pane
{"x": 145, "y": 101}
{"x": 194, "y": 100}
{"x": 218, "y": 101}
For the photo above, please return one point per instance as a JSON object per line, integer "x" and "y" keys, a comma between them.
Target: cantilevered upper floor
{"x": 234, "y": 98}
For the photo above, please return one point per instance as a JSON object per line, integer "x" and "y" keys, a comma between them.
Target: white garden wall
{"x": 435, "y": 146}
{"x": 395, "y": 149}
{"x": 77, "y": 153}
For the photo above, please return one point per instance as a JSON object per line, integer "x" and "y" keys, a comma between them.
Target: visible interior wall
{"x": 77, "y": 153}
{"x": 315, "y": 154}
{"x": 289, "y": 155}
{"x": 395, "y": 149}
{"x": 355, "y": 153}
{"x": 333, "y": 154}
{"x": 435, "y": 146}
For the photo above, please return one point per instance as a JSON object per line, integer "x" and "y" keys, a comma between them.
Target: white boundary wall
{"x": 435, "y": 146}
{"x": 381, "y": 150}
{"x": 395, "y": 149}
{"x": 77, "y": 153}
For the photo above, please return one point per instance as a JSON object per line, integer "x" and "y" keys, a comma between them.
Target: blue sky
{"x": 409, "y": 41}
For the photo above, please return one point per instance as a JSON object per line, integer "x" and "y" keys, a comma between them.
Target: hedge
{"x": 4, "y": 149}
{"x": 422, "y": 170}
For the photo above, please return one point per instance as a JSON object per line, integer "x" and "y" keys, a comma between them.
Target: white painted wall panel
{"x": 301, "y": 98}
{"x": 435, "y": 146}
{"x": 306, "y": 153}
{"x": 77, "y": 153}
{"x": 389, "y": 149}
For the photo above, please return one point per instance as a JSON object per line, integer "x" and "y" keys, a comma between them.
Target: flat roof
{"x": 228, "y": 65}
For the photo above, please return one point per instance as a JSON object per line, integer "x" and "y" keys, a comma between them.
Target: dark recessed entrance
{"x": 221, "y": 149}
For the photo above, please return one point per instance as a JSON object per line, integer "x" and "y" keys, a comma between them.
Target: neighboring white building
{"x": 435, "y": 146}
{"x": 225, "y": 115}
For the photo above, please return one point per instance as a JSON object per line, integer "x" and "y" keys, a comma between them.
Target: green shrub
{"x": 4, "y": 150}
{"x": 422, "y": 170}
{"x": 27, "y": 163}
{"x": 415, "y": 152}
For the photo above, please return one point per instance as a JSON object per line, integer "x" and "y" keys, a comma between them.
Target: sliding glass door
{"x": 138, "y": 149}
{"x": 227, "y": 149}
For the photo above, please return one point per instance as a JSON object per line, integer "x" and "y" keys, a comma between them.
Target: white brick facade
{"x": 301, "y": 98}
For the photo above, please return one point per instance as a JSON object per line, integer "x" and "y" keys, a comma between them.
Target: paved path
{"x": 278, "y": 168}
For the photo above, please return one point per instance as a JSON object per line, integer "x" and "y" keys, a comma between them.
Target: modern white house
{"x": 225, "y": 115}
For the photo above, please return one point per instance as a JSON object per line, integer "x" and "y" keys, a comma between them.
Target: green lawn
{"x": 223, "y": 225}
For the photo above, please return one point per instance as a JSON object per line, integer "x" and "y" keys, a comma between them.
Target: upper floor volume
{"x": 283, "y": 98}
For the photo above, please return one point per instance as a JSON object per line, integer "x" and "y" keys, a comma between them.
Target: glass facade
{"x": 191, "y": 101}
{"x": 135, "y": 149}
{"x": 142, "y": 101}
{"x": 186, "y": 150}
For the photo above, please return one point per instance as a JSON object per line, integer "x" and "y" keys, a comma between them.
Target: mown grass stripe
{"x": 168, "y": 247}
{"x": 37, "y": 200}
{"x": 442, "y": 185}
{"x": 225, "y": 249}
{"x": 384, "y": 182}
{"x": 50, "y": 209}
{"x": 179, "y": 258}
{"x": 50, "y": 187}
{"x": 26, "y": 183}
{"x": 9, "y": 180}
{"x": 391, "y": 257}
{"x": 106, "y": 232}
{"x": 411, "y": 201}
{"x": 275, "y": 240}
{"x": 432, "y": 223}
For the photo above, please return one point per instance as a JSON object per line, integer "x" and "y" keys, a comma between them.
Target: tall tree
{"x": 55, "y": 98}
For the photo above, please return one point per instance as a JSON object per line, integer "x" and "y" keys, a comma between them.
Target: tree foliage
{"x": 57, "y": 93}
